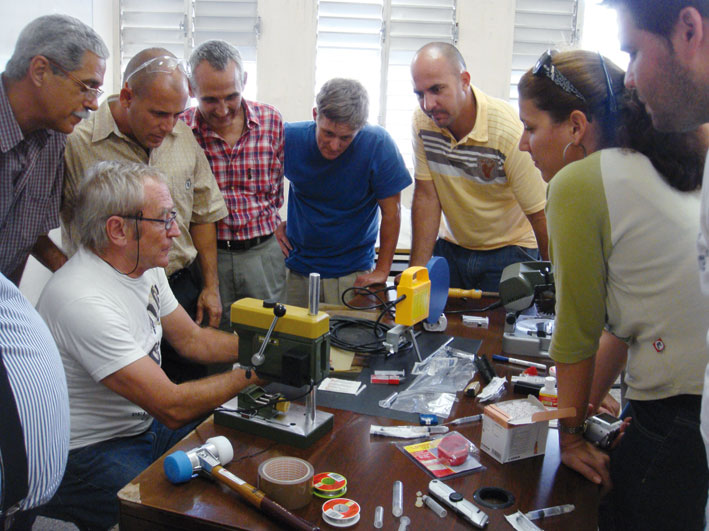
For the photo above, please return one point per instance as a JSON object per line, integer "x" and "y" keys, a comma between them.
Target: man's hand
{"x": 580, "y": 455}
{"x": 609, "y": 405}
{"x": 209, "y": 303}
{"x": 282, "y": 239}
{"x": 375, "y": 277}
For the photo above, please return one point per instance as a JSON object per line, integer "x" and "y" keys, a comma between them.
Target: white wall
{"x": 486, "y": 32}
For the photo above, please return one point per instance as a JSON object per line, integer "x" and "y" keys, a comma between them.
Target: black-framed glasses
{"x": 546, "y": 68}
{"x": 94, "y": 93}
{"x": 612, "y": 102}
{"x": 167, "y": 222}
{"x": 165, "y": 64}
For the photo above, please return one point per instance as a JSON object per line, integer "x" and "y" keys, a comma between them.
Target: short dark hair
{"x": 658, "y": 16}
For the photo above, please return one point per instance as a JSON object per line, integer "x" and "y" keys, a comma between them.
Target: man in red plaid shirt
{"x": 243, "y": 141}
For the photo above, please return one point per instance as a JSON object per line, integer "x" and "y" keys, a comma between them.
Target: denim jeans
{"x": 94, "y": 474}
{"x": 659, "y": 469}
{"x": 480, "y": 269}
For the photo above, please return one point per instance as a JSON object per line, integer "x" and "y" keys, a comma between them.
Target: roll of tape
{"x": 287, "y": 480}
{"x": 341, "y": 512}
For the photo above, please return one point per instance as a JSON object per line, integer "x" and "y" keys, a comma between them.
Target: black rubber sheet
{"x": 367, "y": 402}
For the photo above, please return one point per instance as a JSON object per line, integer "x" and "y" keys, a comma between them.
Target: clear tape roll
{"x": 287, "y": 480}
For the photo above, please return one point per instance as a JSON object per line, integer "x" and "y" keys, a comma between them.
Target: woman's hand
{"x": 580, "y": 455}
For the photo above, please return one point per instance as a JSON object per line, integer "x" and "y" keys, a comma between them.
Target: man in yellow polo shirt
{"x": 469, "y": 167}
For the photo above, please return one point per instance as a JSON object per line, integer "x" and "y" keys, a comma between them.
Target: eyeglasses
{"x": 164, "y": 63}
{"x": 94, "y": 93}
{"x": 612, "y": 103}
{"x": 544, "y": 67}
{"x": 167, "y": 222}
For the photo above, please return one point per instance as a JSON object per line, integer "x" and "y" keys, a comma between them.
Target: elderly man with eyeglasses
{"x": 468, "y": 166}
{"x": 141, "y": 125}
{"x": 107, "y": 309}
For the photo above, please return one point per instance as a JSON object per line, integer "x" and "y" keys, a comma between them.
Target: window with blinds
{"x": 540, "y": 25}
{"x": 181, "y": 25}
{"x": 374, "y": 41}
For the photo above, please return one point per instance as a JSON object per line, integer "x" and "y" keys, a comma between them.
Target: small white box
{"x": 516, "y": 429}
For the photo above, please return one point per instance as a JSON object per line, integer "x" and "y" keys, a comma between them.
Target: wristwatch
{"x": 573, "y": 430}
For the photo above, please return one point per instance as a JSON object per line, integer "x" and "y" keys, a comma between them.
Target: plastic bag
{"x": 442, "y": 375}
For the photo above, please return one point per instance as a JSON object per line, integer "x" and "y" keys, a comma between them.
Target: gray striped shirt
{"x": 36, "y": 376}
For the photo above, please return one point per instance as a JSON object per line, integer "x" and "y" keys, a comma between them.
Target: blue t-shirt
{"x": 333, "y": 214}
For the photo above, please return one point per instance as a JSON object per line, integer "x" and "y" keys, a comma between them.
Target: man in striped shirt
{"x": 243, "y": 141}
{"x": 468, "y": 165}
{"x": 50, "y": 83}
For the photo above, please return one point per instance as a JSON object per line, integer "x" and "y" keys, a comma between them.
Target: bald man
{"x": 141, "y": 125}
{"x": 468, "y": 166}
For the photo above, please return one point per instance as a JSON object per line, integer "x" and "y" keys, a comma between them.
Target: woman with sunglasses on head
{"x": 623, "y": 216}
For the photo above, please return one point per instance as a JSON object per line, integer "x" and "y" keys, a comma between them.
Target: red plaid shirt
{"x": 250, "y": 174}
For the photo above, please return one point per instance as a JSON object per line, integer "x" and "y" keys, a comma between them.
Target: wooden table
{"x": 371, "y": 465}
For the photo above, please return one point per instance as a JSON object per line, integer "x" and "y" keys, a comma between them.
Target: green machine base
{"x": 296, "y": 427}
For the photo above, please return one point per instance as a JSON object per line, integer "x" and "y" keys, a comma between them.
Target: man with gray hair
{"x": 342, "y": 173}
{"x": 243, "y": 141}
{"x": 141, "y": 125}
{"x": 50, "y": 84}
{"x": 107, "y": 309}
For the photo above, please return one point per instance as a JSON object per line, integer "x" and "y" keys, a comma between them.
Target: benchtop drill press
{"x": 287, "y": 345}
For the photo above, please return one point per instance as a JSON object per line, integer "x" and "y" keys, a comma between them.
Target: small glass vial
{"x": 548, "y": 395}
{"x": 397, "y": 504}
{"x": 379, "y": 517}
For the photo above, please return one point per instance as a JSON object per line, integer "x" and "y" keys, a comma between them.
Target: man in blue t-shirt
{"x": 342, "y": 172}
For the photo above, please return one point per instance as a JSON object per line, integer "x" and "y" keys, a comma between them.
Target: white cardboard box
{"x": 516, "y": 429}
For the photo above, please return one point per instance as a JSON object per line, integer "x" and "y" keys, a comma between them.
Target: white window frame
{"x": 392, "y": 30}
{"x": 181, "y": 25}
{"x": 541, "y": 25}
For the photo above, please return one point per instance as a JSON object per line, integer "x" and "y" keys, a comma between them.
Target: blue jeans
{"x": 480, "y": 269}
{"x": 94, "y": 474}
{"x": 659, "y": 469}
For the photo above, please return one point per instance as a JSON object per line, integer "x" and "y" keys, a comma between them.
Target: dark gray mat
{"x": 367, "y": 402}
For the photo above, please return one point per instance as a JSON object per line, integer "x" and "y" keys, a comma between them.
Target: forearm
{"x": 48, "y": 254}
{"x": 574, "y": 386}
{"x": 204, "y": 237}
{"x": 611, "y": 358}
{"x": 388, "y": 237}
{"x": 539, "y": 224}
{"x": 209, "y": 345}
{"x": 425, "y": 220}
{"x": 194, "y": 399}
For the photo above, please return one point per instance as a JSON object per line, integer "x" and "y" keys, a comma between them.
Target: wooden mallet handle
{"x": 259, "y": 499}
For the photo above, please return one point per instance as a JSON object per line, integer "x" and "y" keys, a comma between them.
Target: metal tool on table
{"x": 288, "y": 345}
{"x": 524, "y": 286}
{"x": 414, "y": 290}
{"x": 209, "y": 460}
{"x": 425, "y": 291}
